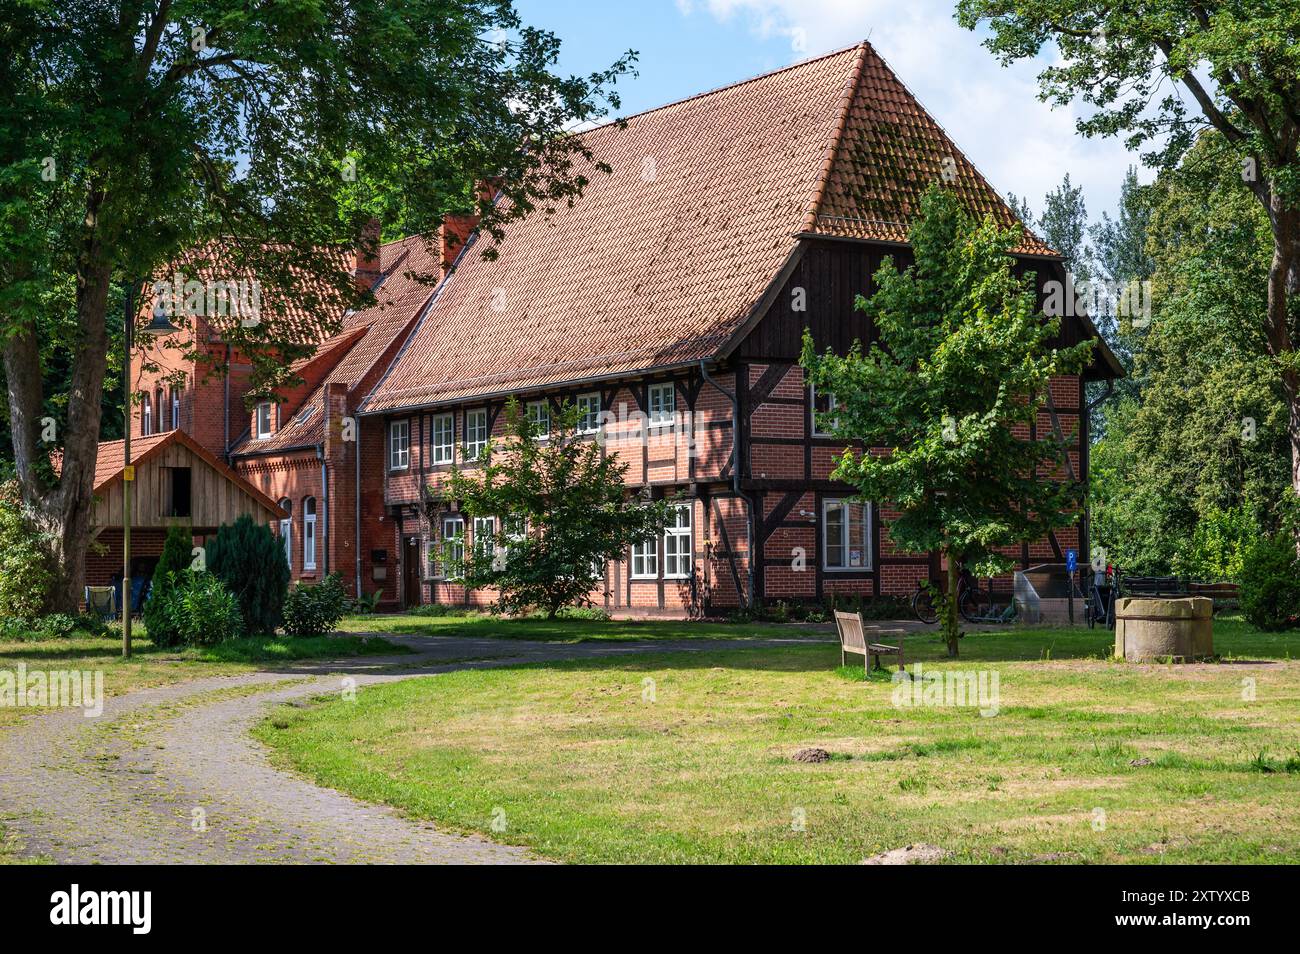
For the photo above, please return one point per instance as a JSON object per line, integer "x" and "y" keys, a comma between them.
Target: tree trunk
{"x": 63, "y": 510}
{"x": 950, "y": 628}
{"x": 1283, "y": 282}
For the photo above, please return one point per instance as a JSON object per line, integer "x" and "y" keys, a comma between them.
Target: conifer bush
{"x": 250, "y": 561}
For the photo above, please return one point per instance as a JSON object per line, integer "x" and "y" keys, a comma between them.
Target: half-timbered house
{"x": 669, "y": 303}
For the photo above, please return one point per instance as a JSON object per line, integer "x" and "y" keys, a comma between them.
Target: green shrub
{"x": 591, "y": 613}
{"x": 442, "y": 609}
{"x": 367, "y": 603}
{"x": 200, "y": 609}
{"x": 315, "y": 610}
{"x": 53, "y": 626}
{"x": 1270, "y": 583}
{"x": 248, "y": 558}
{"x": 1218, "y": 546}
{"x": 27, "y": 575}
{"x": 176, "y": 557}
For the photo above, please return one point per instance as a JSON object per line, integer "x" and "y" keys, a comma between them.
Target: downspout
{"x": 356, "y": 496}
{"x": 324, "y": 508}
{"x": 735, "y": 481}
{"x": 225, "y": 409}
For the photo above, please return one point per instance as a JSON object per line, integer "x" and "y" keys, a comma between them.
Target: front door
{"x": 410, "y": 572}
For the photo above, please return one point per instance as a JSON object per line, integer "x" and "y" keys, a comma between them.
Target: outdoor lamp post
{"x": 157, "y": 327}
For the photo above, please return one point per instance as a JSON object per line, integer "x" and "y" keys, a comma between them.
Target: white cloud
{"x": 992, "y": 113}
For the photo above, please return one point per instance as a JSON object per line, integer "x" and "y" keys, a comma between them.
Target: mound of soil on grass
{"x": 812, "y": 755}
{"x": 918, "y": 854}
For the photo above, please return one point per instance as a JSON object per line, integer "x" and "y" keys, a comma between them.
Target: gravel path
{"x": 171, "y": 776}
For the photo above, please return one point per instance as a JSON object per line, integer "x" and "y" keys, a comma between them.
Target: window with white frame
{"x": 539, "y": 418}
{"x": 442, "y": 439}
{"x": 399, "y": 445}
{"x": 286, "y": 531}
{"x": 453, "y": 546}
{"x": 589, "y": 413}
{"x": 645, "y": 559}
{"x": 176, "y": 409}
{"x": 264, "y": 419}
{"x": 309, "y": 533}
{"x": 846, "y": 535}
{"x": 677, "y": 543}
{"x": 485, "y": 537}
{"x": 823, "y": 408}
{"x": 662, "y": 404}
{"x": 146, "y": 416}
{"x": 476, "y": 432}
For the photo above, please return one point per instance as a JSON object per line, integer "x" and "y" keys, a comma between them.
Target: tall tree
{"x": 1206, "y": 436}
{"x": 1064, "y": 226}
{"x": 255, "y": 139}
{"x": 1119, "y": 249}
{"x": 962, "y": 362}
{"x": 1236, "y": 62}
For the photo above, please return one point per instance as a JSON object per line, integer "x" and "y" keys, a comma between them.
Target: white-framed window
{"x": 821, "y": 404}
{"x": 399, "y": 445}
{"x": 442, "y": 439}
{"x": 589, "y": 413}
{"x": 176, "y": 409}
{"x": 453, "y": 546}
{"x": 485, "y": 537}
{"x": 309, "y": 533}
{"x": 539, "y": 416}
{"x": 146, "y": 416}
{"x": 662, "y": 404}
{"x": 286, "y": 531}
{"x": 264, "y": 419}
{"x": 159, "y": 411}
{"x": 846, "y": 535}
{"x": 476, "y": 432}
{"x": 645, "y": 559}
{"x": 677, "y": 543}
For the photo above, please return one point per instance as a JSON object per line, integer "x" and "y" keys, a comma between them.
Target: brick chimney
{"x": 365, "y": 258}
{"x": 452, "y": 235}
{"x": 456, "y": 229}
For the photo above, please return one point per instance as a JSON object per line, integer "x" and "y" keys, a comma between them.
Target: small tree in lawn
{"x": 962, "y": 357}
{"x": 561, "y": 508}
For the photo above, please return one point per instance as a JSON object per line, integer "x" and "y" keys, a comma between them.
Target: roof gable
{"x": 110, "y": 461}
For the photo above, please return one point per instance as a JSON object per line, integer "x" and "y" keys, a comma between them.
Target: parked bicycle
{"x": 975, "y": 603}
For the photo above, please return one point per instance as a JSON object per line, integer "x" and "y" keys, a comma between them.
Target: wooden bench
{"x": 853, "y": 639}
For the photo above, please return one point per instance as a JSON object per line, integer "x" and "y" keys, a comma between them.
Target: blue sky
{"x": 993, "y": 114}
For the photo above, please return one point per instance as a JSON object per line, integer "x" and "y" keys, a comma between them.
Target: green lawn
{"x": 1088, "y": 760}
{"x": 577, "y": 630}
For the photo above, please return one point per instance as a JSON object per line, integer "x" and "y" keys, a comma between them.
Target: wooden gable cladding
{"x": 819, "y": 295}
{"x": 215, "y": 496}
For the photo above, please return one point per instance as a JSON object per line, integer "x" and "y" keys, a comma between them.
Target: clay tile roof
{"x": 402, "y": 292}
{"x": 890, "y": 152}
{"x": 659, "y": 263}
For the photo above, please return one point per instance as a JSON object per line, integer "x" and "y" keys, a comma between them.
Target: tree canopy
{"x": 253, "y": 141}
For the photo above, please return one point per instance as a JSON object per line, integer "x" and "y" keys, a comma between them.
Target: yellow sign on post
{"x": 128, "y": 472}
